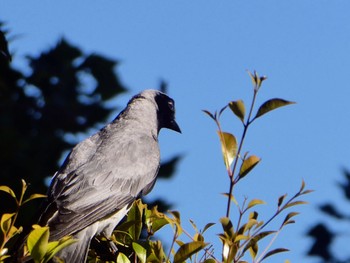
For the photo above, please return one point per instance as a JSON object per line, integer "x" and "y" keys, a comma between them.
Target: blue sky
{"x": 203, "y": 49}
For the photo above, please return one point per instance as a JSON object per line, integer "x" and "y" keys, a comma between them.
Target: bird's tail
{"x": 76, "y": 252}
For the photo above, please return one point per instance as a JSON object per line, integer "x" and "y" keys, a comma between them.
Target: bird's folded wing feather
{"x": 98, "y": 179}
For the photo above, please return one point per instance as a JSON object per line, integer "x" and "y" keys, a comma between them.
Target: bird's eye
{"x": 171, "y": 105}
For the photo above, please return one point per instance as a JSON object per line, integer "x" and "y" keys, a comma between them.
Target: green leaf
{"x": 248, "y": 165}
{"x": 222, "y": 110}
{"x": 288, "y": 217}
{"x": 8, "y": 190}
{"x": 135, "y": 215}
{"x": 158, "y": 224}
{"x": 210, "y": 114}
{"x": 238, "y": 108}
{"x": 228, "y": 147}
{"x": 271, "y": 105}
{"x": 295, "y": 203}
{"x": 122, "y": 258}
{"x": 233, "y": 199}
{"x": 240, "y": 237}
{"x": 253, "y": 249}
{"x": 227, "y": 226}
{"x": 34, "y": 196}
{"x": 140, "y": 251}
{"x": 207, "y": 226}
{"x": 249, "y": 225}
{"x": 157, "y": 252}
{"x": 55, "y": 246}
{"x": 155, "y": 220}
{"x": 38, "y": 242}
{"x": 5, "y": 223}
{"x": 187, "y": 250}
{"x": 281, "y": 199}
{"x": 256, "y": 239}
{"x": 194, "y": 225}
{"x": 177, "y": 222}
{"x": 253, "y": 215}
{"x": 198, "y": 237}
{"x": 176, "y": 215}
{"x": 302, "y": 191}
{"x": 255, "y": 202}
{"x": 273, "y": 252}
{"x": 302, "y": 186}
{"x": 256, "y": 80}
{"x": 210, "y": 260}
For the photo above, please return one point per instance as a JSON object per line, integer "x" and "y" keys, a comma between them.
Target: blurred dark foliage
{"x": 64, "y": 94}
{"x": 324, "y": 236}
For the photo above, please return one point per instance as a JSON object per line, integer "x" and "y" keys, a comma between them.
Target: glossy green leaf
{"x": 177, "y": 222}
{"x": 253, "y": 249}
{"x": 157, "y": 252}
{"x": 295, "y": 203}
{"x": 155, "y": 220}
{"x": 273, "y": 252}
{"x": 240, "y": 237}
{"x": 198, "y": 237}
{"x": 55, "y": 246}
{"x": 8, "y": 190}
{"x": 179, "y": 242}
{"x": 281, "y": 199}
{"x": 238, "y": 108}
{"x": 5, "y": 223}
{"x": 34, "y": 196}
{"x": 210, "y": 114}
{"x": 302, "y": 191}
{"x": 207, "y": 226}
{"x": 233, "y": 199}
{"x": 135, "y": 215}
{"x": 194, "y": 225}
{"x": 302, "y": 186}
{"x": 210, "y": 260}
{"x": 270, "y": 105}
{"x": 256, "y": 80}
{"x": 255, "y": 202}
{"x": 122, "y": 258}
{"x": 187, "y": 250}
{"x": 140, "y": 251}
{"x": 256, "y": 239}
{"x": 228, "y": 147}
{"x": 288, "y": 217}
{"x": 253, "y": 215}
{"x": 227, "y": 226}
{"x": 248, "y": 165}
{"x": 176, "y": 215}
{"x": 222, "y": 110}
{"x": 249, "y": 225}
{"x": 37, "y": 242}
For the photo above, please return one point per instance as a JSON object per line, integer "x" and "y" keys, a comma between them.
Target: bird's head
{"x": 165, "y": 108}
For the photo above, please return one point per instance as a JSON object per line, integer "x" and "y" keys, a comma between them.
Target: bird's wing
{"x": 110, "y": 177}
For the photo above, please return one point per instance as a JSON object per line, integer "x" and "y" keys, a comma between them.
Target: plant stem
{"x": 233, "y": 179}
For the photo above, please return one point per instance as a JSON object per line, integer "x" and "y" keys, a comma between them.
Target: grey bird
{"x": 104, "y": 174}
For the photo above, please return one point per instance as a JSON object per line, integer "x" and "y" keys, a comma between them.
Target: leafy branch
{"x": 247, "y": 235}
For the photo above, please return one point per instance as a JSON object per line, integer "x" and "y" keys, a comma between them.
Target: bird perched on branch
{"x": 104, "y": 174}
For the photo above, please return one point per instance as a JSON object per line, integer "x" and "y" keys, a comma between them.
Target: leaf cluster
{"x": 36, "y": 245}
{"x": 133, "y": 246}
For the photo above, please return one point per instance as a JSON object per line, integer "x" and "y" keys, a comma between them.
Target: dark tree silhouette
{"x": 323, "y": 236}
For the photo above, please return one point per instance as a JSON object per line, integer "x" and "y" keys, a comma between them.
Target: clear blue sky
{"x": 203, "y": 49}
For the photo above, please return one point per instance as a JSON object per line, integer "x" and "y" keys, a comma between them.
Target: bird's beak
{"x": 174, "y": 126}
